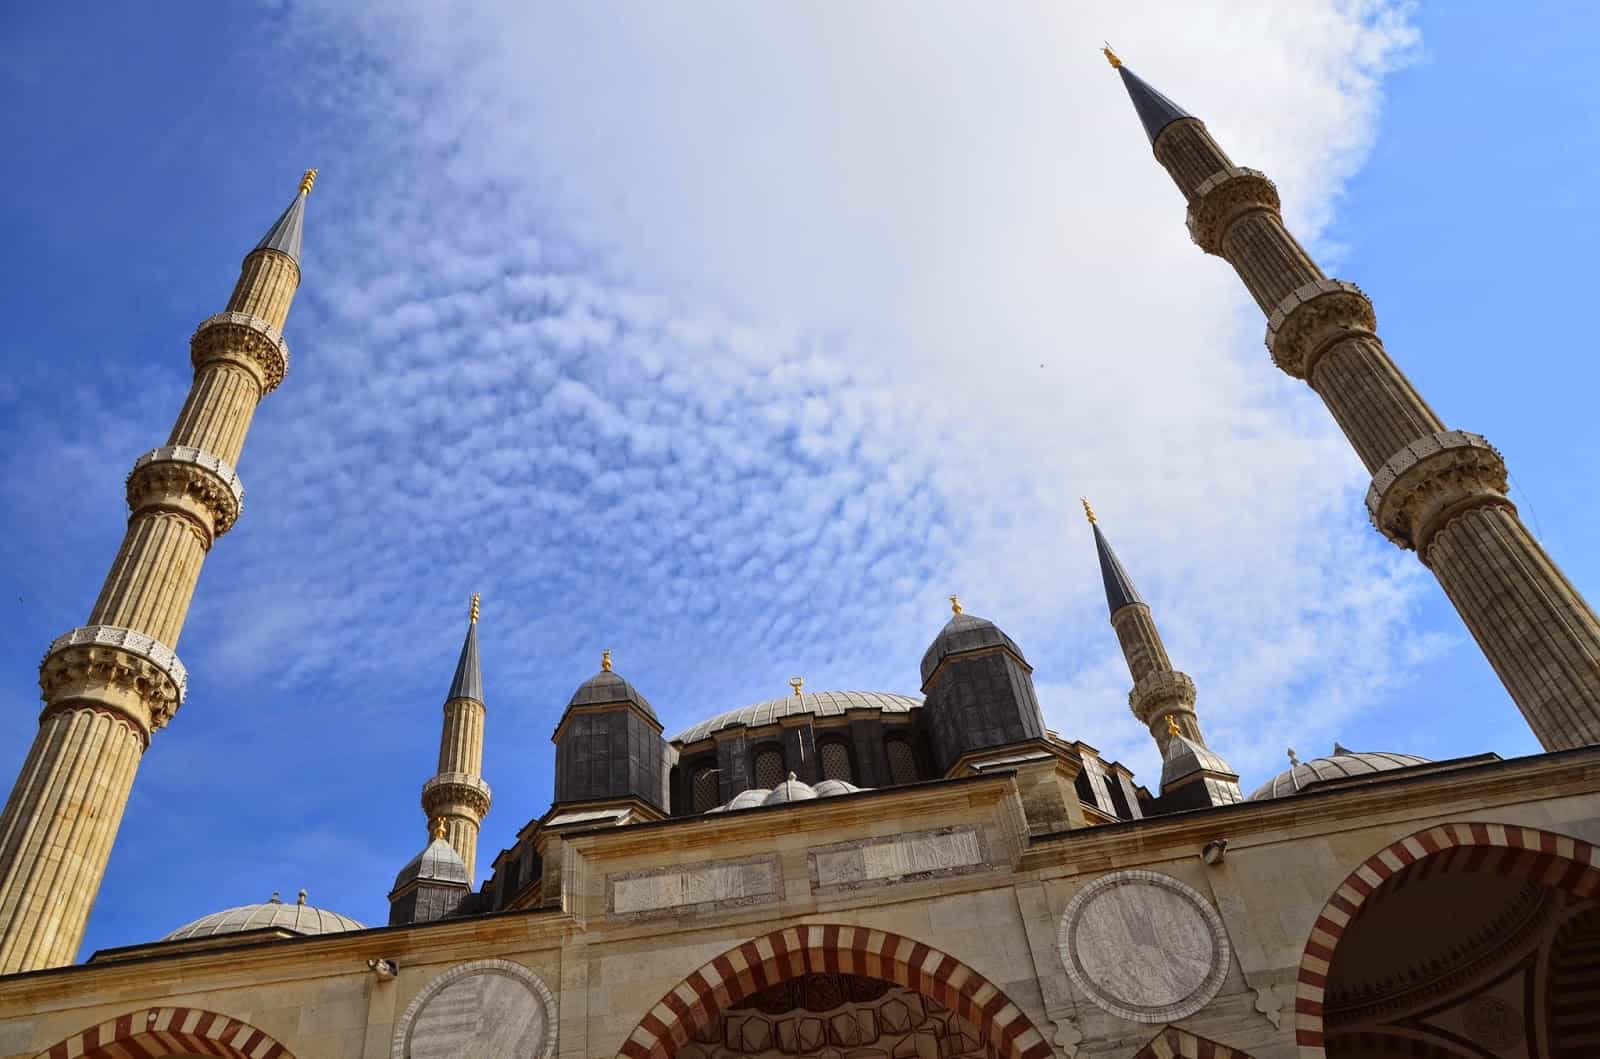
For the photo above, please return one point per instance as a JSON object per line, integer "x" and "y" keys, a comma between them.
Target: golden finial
{"x": 1087, "y": 510}
{"x": 306, "y": 181}
{"x": 1111, "y": 57}
{"x": 955, "y": 604}
{"x": 438, "y": 827}
{"x": 797, "y": 683}
{"x": 1172, "y": 724}
{"x": 472, "y": 616}
{"x": 605, "y": 660}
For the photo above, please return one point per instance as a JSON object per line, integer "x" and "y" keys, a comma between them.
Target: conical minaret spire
{"x": 1438, "y": 491}
{"x": 1161, "y": 695}
{"x": 457, "y": 798}
{"x": 109, "y": 684}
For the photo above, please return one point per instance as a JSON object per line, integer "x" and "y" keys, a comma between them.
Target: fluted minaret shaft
{"x": 457, "y": 796}
{"x": 1438, "y": 491}
{"x": 108, "y": 685}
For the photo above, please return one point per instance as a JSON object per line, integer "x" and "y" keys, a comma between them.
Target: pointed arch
{"x": 151, "y": 1033}
{"x": 1558, "y": 861}
{"x": 1175, "y": 1043}
{"x": 765, "y": 961}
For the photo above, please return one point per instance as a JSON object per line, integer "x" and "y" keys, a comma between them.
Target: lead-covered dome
{"x": 790, "y": 790}
{"x": 606, "y": 688}
{"x": 298, "y": 918}
{"x": 965, "y": 632}
{"x": 815, "y": 703}
{"x": 1342, "y": 762}
{"x": 439, "y": 863}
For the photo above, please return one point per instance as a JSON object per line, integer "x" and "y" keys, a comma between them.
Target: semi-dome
{"x": 298, "y": 918}
{"x": 606, "y": 688}
{"x": 1342, "y": 762}
{"x": 790, "y": 790}
{"x": 439, "y": 863}
{"x": 815, "y": 703}
{"x": 964, "y": 632}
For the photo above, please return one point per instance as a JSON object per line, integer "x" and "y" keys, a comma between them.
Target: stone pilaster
{"x": 109, "y": 685}
{"x": 1438, "y": 491}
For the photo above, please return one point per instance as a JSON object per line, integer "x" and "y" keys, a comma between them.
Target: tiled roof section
{"x": 284, "y": 235}
{"x": 438, "y": 863}
{"x": 1185, "y": 757}
{"x": 299, "y": 918}
{"x": 964, "y": 632}
{"x": 1155, "y": 110}
{"x": 1119, "y": 586}
{"x": 468, "y": 681}
{"x": 1350, "y": 763}
{"x": 605, "y": 688}
{"x": 815, "y": 703}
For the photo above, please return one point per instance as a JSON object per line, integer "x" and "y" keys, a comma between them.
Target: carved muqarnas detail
{"x": 175, "y": 477}
{"x": 1307, "y": 323}
{"x": 1223, "y": 198}
{"x": 1432, "y": 480}
{"x": 456, "y": 788}
{"x": 122, "y": 658}
{"x": 1164, "y": 691}
{"x": 245, "y": 340}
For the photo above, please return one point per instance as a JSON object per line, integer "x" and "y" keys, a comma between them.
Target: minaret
{"x": 457, "y": 796}
{"x": 110, "y": 683}
{"x": 1438, "y": 491}
{"x": 1160, "y": 693}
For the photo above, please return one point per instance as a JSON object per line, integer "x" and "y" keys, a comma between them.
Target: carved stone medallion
{"x": 1144, "y": 946}
{"x": 487, "y": 1007}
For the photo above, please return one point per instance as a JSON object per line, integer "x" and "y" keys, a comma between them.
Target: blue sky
{"x": 735, "y": 341}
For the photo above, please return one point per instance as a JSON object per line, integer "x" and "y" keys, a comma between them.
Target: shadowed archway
{"x": 151, "y": 1033}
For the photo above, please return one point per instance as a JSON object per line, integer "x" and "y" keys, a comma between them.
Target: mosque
{"x": 860, "y": 875}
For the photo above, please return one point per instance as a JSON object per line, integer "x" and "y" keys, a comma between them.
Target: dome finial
{"x": 274, "y": 899}
{"x": 797, "y": 683}
{"x": 1294, "y": 759}
{"x": 605, "y": 660}
{"x": 301, "y": 898}
{"x": 1172, "y": 724}
{"x": 438, "y": 827}
{"x": 472, "y": 614}
{"x": 1087, "y": 510}
{"x": 955, "y": 604}
{"x": 307, "y": 181}
{"x": 1111, "y": 57}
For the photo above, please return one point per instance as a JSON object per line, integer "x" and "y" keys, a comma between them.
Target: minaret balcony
{"x": 242, "y": 339}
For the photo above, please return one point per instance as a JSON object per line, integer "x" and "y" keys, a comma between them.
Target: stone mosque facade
{"x": 859, "y": 875}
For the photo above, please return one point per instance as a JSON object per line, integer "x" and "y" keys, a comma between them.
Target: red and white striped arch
{"x": 152, "y": 1033}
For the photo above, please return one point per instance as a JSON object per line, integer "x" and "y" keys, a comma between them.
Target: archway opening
{"x": 168, "y": 1033}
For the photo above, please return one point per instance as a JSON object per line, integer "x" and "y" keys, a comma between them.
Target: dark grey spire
{"x": 1119, "y": 586}
{"x": 1155, "y": 110}
{"x": 468, "y": 683}
{"x": 284, "y": 235}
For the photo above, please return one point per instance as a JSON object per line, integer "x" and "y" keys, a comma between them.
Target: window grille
{"x": 902, "y": 761}
{"x": 769, "y": 768}
{"x": 836, "y": 762}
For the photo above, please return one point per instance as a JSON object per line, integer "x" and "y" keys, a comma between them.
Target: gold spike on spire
{"x": 605, "y": 660}
{"x": 797, "y": 683}
{"x": 955, "y": 604}
{"x": 307, "y": 181}
{"x": 1087, "y": 510}
{"x": 1111, "y": 57}
{"x": 1172, "y": 724}
{"x": 438, "y": 827}
{"x": 472, "y": 616}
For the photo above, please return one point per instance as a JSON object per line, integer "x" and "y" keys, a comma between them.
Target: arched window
{"x": 902, "y": 760}
{"x": 835, "y": 757}
{"x": 769, "y": 767}
{"x": 703, "y": 791}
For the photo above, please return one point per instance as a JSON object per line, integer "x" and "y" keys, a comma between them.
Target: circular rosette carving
{"x": 1312, "y": 318}
{"x": 1223, "y": 198}
{"x": 1432, "y": 480}
{"x": 482, "y": 1008}
{"x": 242, "y": 339}
{"x": 1163, "y": 690}
{"x": 455, "y": 788}
{"x": 189, "y": 481}
{"x": 1144, "y": 946}
{"x": 94, "y": 658}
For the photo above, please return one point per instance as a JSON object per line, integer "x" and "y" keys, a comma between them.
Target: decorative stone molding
{"x": 242, "y": 339}
{"x": 456, "y": 788}
{"x": 485, "y": 1007}
{"x": 1313, "y": 317}
{"x": 1431, "y": 481}
{"x": 165, "y": 475}
{"x": 123, "y": 658}
{"x": 1105, "y": 940}
{"x": 1161, "y": 692}
{"x": 159, "y": 1030}
{"x": 1223, "y": 198}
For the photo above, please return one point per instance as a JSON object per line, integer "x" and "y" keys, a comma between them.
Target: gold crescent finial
{"x": 1172, "y": 724}
{"x": 955, "y": 604}
{"x": 1111, "y": 57}
{"x": 307, "y": 181}
{"x": 472, "y": 616}
{"x": 1087, "y": 510}
{"x": 797, "y": 683}
{"x": 605, "y": 660}
{"x": 438, "y": 827}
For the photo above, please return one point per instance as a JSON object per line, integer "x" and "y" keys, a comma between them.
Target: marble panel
{"x": 685, "y": 888}
{"x": 487, "y": 1008}
{"x": 896, "y": 858}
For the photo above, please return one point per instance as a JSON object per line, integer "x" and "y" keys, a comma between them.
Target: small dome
{"x": 746, "y": 799}
{"x": 606, "y": 688}
{"x": 830, "y": 788}
{"x": 299, "y": 918}
{"x": 964, "y": 632}
{"x": 814, "y": 703}
{"x": 1341, "y": 762}
{"x": 790, "y": 790}
{"x": 1185, "y": 757}
{"x": 438, "y": 863}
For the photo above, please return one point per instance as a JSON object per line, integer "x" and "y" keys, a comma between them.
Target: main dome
{"x": 1340, "y": 763}
{"x": 815, "y": 703}
{"x": 298, "y": 918}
